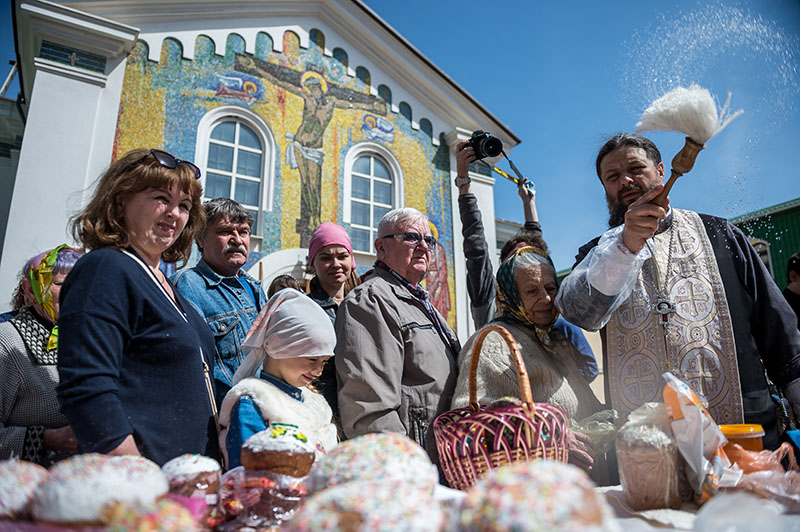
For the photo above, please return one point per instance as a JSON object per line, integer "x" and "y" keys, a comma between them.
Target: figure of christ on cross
{"x": 305, "y": 150}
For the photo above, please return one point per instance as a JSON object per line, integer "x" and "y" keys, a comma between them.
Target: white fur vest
{"x": 312, "y": 415}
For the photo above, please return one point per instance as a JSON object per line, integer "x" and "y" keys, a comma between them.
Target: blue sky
{"x": 7, "y": 47}
{"x": 565, "y": 75}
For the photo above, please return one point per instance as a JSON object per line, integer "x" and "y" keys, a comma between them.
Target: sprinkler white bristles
{"x": 691, "y": 111}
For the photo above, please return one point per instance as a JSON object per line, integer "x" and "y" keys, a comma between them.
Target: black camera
{"x": 485, "y": 144}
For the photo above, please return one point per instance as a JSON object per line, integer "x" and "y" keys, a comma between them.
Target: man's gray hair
{"x": 396, "y": 217}
{"x": 221, "y": 208}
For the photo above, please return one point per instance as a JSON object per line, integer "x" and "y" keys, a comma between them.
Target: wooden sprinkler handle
{"x": 681, "y": 163}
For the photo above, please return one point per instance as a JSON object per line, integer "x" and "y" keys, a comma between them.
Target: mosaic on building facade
{"x": 314, "y": 112}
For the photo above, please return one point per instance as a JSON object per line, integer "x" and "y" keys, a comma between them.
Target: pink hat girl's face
{"x": 333, "y": 265}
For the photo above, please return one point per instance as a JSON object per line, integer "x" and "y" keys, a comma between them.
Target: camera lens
{"x": 492, "y": 146}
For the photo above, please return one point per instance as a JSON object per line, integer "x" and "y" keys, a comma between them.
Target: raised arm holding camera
{"x": 481, "y": 284}
{"x": 480, "y": 276}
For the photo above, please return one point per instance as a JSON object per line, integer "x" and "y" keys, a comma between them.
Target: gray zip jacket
{"x": 395, "y": 372}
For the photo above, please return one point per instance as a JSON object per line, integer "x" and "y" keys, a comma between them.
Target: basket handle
{"x": 519, "y": 365}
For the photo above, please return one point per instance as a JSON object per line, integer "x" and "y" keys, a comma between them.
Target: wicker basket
{"x": 473, "y": 440}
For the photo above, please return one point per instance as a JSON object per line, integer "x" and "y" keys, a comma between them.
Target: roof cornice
{"x": 78, "y": 29}
{"x": 351, "y": 19}
{"x": 41, "y": 20}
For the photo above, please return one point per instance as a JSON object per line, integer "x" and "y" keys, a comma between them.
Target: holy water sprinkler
{"x": 691, "y": 111}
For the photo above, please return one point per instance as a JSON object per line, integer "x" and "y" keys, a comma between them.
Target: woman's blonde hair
{"x": 101, "y": 224}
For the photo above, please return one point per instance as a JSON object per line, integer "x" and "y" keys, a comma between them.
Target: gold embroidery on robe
{"x": 698, "y": 346}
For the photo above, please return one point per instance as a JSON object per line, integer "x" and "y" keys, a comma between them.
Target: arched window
{"x": 426, "y": 127}
{"x": 237, "y": 151}
{"x": 373, "y": 187}
{"x": 405, "y": 110}
{"x": 385, "y": 94}
{"x": 363, "y": 75}
{"x": 234, "y": 164}
{"x": 341, "y": 56}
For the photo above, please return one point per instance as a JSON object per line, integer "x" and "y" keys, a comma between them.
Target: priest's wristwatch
{"x": 461, "y": 181}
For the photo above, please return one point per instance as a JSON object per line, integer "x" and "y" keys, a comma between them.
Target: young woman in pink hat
{"x": 331, "y": 261}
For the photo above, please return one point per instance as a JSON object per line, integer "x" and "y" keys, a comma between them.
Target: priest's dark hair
{"x": 628, "y": 139}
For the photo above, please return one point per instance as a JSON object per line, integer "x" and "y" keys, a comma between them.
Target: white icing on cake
{"x": 188, "y": 466}
{"x": 274, "y": 439}
{"x": 380, "y": 506}
{"x": 384, "y": 456}
{"x": 18, "y": 481}
{"x": 537, "y": 496}
{"x": 77, "y": 489}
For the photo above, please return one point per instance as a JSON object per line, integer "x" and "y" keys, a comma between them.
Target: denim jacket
{"x": 228, "y": 310}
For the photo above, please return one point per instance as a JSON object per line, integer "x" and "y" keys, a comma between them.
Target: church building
{"x": 305, "y": 112}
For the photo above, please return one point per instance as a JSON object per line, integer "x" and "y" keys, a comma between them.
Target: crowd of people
{"x": 102, "y": 352}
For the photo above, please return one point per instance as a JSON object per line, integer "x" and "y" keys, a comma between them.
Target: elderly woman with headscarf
{"x": 290, "y": 340}
{"x": 32, "y": 426}
{"x": 526, "y": 290}
{"x": 331, "y": 261}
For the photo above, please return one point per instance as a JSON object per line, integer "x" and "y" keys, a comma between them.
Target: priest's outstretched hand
{"x": 641, "y": 220}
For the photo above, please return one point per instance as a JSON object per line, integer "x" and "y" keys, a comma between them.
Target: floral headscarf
{"x": 508, "y": 303}
{"x": 40, "y": 276}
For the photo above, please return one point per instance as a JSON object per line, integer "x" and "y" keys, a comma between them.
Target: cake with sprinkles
{"x": 164, "y": 515}
{"x": 77, "y": 489}
{"x": 537, "y": 496}
{"x": 18, "y": 481}
{"x": 384, "y": 456}
{"x": 281, "y": 449}
{"x": 369, "y": 506}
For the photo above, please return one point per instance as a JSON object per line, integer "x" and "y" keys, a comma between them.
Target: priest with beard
{"x": 674, "y": 290}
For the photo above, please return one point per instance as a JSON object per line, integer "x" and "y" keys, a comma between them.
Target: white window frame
{"x": 388, "y": 158}
{"x": 226, "y": 113}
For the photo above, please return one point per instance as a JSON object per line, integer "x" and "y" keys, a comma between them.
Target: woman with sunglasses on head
{"x": 331, "y": 261}
{"x": 135, "y": 355}
{"x": 31, "y": 425}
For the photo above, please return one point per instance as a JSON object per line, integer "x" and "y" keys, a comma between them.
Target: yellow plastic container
{"x": 750, "y": 437}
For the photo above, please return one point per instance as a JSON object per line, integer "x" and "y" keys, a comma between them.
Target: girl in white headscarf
{"x": 291, "y": 340}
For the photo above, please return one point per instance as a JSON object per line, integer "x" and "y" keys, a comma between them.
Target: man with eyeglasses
{"x": 396, "y": 355}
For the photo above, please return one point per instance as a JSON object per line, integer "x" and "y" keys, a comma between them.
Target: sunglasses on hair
{"x": 413, "y": 239}
{"x": 168, "y": 160}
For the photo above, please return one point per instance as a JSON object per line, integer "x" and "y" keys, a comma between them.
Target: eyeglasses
{"x": 413, "y": 239}
{"x": 168, "y": 160}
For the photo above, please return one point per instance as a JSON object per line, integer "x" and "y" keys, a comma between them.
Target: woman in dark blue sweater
{"x": 134, "y": 355}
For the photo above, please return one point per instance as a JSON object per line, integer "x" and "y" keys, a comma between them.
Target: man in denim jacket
{"x": 220, "y": 290}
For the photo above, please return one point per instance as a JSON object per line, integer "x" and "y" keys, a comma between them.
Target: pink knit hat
{"x": 328, "y": 234}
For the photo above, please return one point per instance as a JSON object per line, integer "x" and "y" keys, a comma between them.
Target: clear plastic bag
{"x": 741, "y": 512}
{"x": 601, "y": 427}
{"x": 648, "y": 461}
{"x": 259, "y": 499}
{"x": 765, "y": 477}
{"x": 699, "y": 439}
{"x": 606, "y": 269}
{"x": 780, "y": 486}
{"x": 753, "y": 461}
